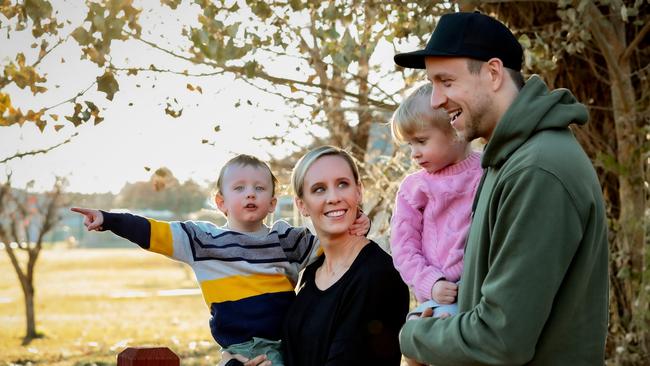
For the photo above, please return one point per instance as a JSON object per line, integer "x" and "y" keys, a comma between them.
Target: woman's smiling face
{"x": 331, "y": 196}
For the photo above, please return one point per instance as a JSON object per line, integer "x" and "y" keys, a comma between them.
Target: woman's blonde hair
{"x": 299, "y": 171}
{"x": 415, "y": 114}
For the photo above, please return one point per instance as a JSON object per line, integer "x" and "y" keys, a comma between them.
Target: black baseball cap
{"x": 473, "y": 35}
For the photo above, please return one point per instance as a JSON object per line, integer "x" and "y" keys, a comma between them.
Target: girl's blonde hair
{"x": 299, "y": 171}
{"x": 415, "y": 114}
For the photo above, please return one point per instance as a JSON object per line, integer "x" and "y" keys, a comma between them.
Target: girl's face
{"x": 331, "y": 196}
{"x": 433, "y": 150}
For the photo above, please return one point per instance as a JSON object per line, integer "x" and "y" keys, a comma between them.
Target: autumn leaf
{"x": 82, "y": 36}
{"x": 173, "y": 108}
{"x": 171, "y": 3}
{"x": 107, "y": 84}
{"x": 5, "y": 103}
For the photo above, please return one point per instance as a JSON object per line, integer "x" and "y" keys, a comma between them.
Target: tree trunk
{"x": 28, "y": 295}
{"x": 361, "y": 135}
{"x": 627, "y": 328}
{"x": 26, "y": 281}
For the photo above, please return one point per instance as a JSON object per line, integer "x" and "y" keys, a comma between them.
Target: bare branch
{"x": 41, "y": 57}
{"x": 281, "y": 95}
{"x": 169, "y": 71}
{"x": 635, "y": 42}
{"x": 169, "y": 52}
{"x": 72, "y": 99}
{"x": 36, "y": 152}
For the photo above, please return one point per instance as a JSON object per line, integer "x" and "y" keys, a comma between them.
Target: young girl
{"x": 433, "y": 205}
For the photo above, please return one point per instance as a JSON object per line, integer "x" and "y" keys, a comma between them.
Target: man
{"x": 534, "y": 290}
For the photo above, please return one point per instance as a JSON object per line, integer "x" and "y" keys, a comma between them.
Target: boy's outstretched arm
{"x": 167, "y": 238}
{"x": 93, "y": 219}
{"x": 149, "y": 234}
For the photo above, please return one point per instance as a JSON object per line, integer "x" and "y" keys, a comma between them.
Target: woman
{"x": 351, "y": 302}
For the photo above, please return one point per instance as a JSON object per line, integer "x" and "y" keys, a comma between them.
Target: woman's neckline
{"x": 338, "y": 279}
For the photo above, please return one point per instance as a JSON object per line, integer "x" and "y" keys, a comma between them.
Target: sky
{"x": 134, "y": 137}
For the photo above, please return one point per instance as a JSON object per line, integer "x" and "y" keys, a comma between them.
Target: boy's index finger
{"x": 83, "y": 211}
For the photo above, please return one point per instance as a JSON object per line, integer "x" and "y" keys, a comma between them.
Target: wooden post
{"x": 139, "y": 356}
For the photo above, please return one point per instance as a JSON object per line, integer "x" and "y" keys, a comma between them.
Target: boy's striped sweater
{"x": 247, "y": 279}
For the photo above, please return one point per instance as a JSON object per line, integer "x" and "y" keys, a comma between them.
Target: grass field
{"x": 92, "y": 303}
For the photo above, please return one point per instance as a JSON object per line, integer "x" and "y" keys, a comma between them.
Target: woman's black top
{"x": 356, "y": 321}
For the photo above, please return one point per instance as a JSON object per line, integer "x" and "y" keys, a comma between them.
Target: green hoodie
{"x": 535, "y": 286}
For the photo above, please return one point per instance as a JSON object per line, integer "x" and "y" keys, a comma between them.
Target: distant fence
{"x": 140, "y": 356}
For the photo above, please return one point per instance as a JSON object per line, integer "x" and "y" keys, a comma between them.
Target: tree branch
{"x": 239, "y": 71}
{"x": 72, "y": 99}
{"x": 41, "y": 57}
{"x": 149, "y": 69}
{"x": 35, "y": 152}
{"x": 635, "y": 42}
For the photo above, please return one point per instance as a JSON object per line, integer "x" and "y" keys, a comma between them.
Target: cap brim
{"x": 415, "y": 59}
{"x": 411, "y": 60}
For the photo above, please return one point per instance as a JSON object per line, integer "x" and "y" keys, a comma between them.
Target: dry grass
{"x": 86, "y": 317}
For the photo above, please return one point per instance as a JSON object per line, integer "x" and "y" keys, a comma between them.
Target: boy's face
{"x": 247, "y": 197}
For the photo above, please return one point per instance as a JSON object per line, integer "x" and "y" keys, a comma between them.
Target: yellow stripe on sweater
{"x": 161, "y": 240}
{"x": 239, "y": 287}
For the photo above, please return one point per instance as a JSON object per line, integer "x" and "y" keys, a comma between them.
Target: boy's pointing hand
{"x": 93, "y": 219}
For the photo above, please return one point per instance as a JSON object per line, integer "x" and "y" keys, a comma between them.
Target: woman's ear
{"x": 301, "y": 206}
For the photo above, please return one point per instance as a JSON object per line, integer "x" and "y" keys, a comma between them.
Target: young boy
{"x": 246, "y": 270}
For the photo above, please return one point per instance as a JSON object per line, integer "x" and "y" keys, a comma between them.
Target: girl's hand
{"x": 93, "y": 219}
{"x": 444, "y": 292}
{"x": 360, "y": 226}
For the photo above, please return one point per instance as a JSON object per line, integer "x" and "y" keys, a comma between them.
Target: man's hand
{"x": 256, "y": 361}
{"x": 93, "y": 219}
{"x": 444, "y": 292}
{"x": 427, "y": 313}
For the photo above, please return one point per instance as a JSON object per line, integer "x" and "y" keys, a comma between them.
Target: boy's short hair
{"x": 410, "y": 117}
{"x": 246, "y": 160}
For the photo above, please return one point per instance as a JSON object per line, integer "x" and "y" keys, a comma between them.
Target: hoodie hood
{"x": 535, "y": 109}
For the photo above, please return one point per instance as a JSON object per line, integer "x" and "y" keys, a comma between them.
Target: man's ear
{"x": 301, "y": 206}
{"x": 221, "y": 205}
{"x": 274, "y": 202}
{"x": 496, "y": 73}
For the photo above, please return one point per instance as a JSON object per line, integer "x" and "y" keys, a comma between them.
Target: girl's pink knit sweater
{"x": 430, "y": 223}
